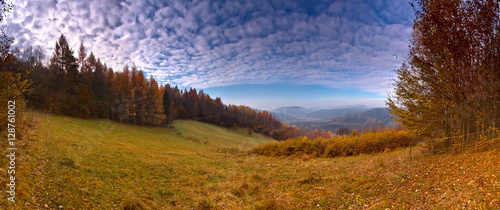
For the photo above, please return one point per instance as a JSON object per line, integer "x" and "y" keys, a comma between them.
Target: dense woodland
{"x": 449, "y": 86}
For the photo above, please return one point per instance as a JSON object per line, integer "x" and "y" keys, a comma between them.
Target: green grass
{"x": 98, "y": 163}
{"x": 86, "y": 164}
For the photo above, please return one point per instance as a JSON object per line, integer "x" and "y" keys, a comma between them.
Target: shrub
{"x": 13, "y": 87}
{"x": 369, "y": 142}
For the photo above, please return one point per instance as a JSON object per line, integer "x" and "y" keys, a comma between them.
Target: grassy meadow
{"x": 70, "y": 163}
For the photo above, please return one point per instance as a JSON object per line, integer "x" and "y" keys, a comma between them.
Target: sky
{"x": 261, "y": 53}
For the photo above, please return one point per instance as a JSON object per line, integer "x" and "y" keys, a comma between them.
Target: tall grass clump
{"x": 365, "y": 143}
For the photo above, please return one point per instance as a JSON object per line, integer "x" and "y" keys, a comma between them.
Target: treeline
{"x": 85, "y": 87}
{"x": 449, "y": 85}
{"x": 201, "y": 107}
{"x": 197, "y": 105}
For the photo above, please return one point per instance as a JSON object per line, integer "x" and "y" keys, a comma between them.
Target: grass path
{"x": 75, "y": 163}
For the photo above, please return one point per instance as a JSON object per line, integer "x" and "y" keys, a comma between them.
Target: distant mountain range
{"x": 328, "y": 114}
{"x": 292, "y": 111}
{"x": 353, "y": 117}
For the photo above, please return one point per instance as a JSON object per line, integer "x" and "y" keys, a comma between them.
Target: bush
{"x": 369, "y": 142}
{"x": 13, "y": 88}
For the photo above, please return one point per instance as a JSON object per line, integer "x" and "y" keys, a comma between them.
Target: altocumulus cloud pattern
{"x": 202, "y": 44}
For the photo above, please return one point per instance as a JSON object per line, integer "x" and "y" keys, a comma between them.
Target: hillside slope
{"x": 98, "y": 164}
{"x": 77, "y": 163}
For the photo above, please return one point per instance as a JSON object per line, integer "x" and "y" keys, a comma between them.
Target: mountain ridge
{"x": 355, "y": 117}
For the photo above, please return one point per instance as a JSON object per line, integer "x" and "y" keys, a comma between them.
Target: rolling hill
{"x": 328, "y": 114}
{"x": 363, "y": 119}
{"x": 297, "y": 113}
{"x": 77, "y": 163}
{"x": 357, "y": 117}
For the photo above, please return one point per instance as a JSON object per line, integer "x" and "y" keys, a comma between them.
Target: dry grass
{"x": 165, "y": 170}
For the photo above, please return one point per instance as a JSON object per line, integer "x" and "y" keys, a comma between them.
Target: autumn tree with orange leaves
{"x": 449, "y": 85}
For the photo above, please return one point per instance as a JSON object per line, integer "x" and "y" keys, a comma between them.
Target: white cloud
{"x": 205, "y": 44}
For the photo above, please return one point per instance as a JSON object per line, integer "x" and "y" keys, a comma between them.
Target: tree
{"x": 449, "y": 85}
{"x": 87, "y": 68}
{"x": 33, "y": 58}
{"x": 64, "y": 68}
{"x": 155, "y": 113}
{"x": 139, "y": 96}
{"x": 110, "y": 92}
{"x": 82, "y": 54}
{"x": 5, "y": 41}
{"x": 167, "y": 107}
{"x": 64, "y": 62}
{"x": 98, "y": 88}
{"x": 123, "y": 103}
{"x": 86, "y": 97}
{"x": 14, "y": 82}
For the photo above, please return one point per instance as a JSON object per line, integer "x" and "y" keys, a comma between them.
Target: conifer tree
{"x": 167, "y": 107}
{"x": 155, "y": 113}
{"x": 64, "y": 68}
{"x": 139, "y": 97}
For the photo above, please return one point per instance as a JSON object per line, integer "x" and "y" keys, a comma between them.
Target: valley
{"x": 350, "y": 117}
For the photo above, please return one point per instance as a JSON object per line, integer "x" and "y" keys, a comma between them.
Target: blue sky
{"x": 259, "y": 53}
{"x": 267, "y": 96}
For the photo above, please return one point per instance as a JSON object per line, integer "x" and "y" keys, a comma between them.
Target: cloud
{"x": 212, "y": 43}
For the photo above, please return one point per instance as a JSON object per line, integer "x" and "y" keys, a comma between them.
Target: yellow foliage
{"x": 12, "y": 88}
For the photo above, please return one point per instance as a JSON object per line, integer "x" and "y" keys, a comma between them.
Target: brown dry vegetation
{"x": 366, "y": 143}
